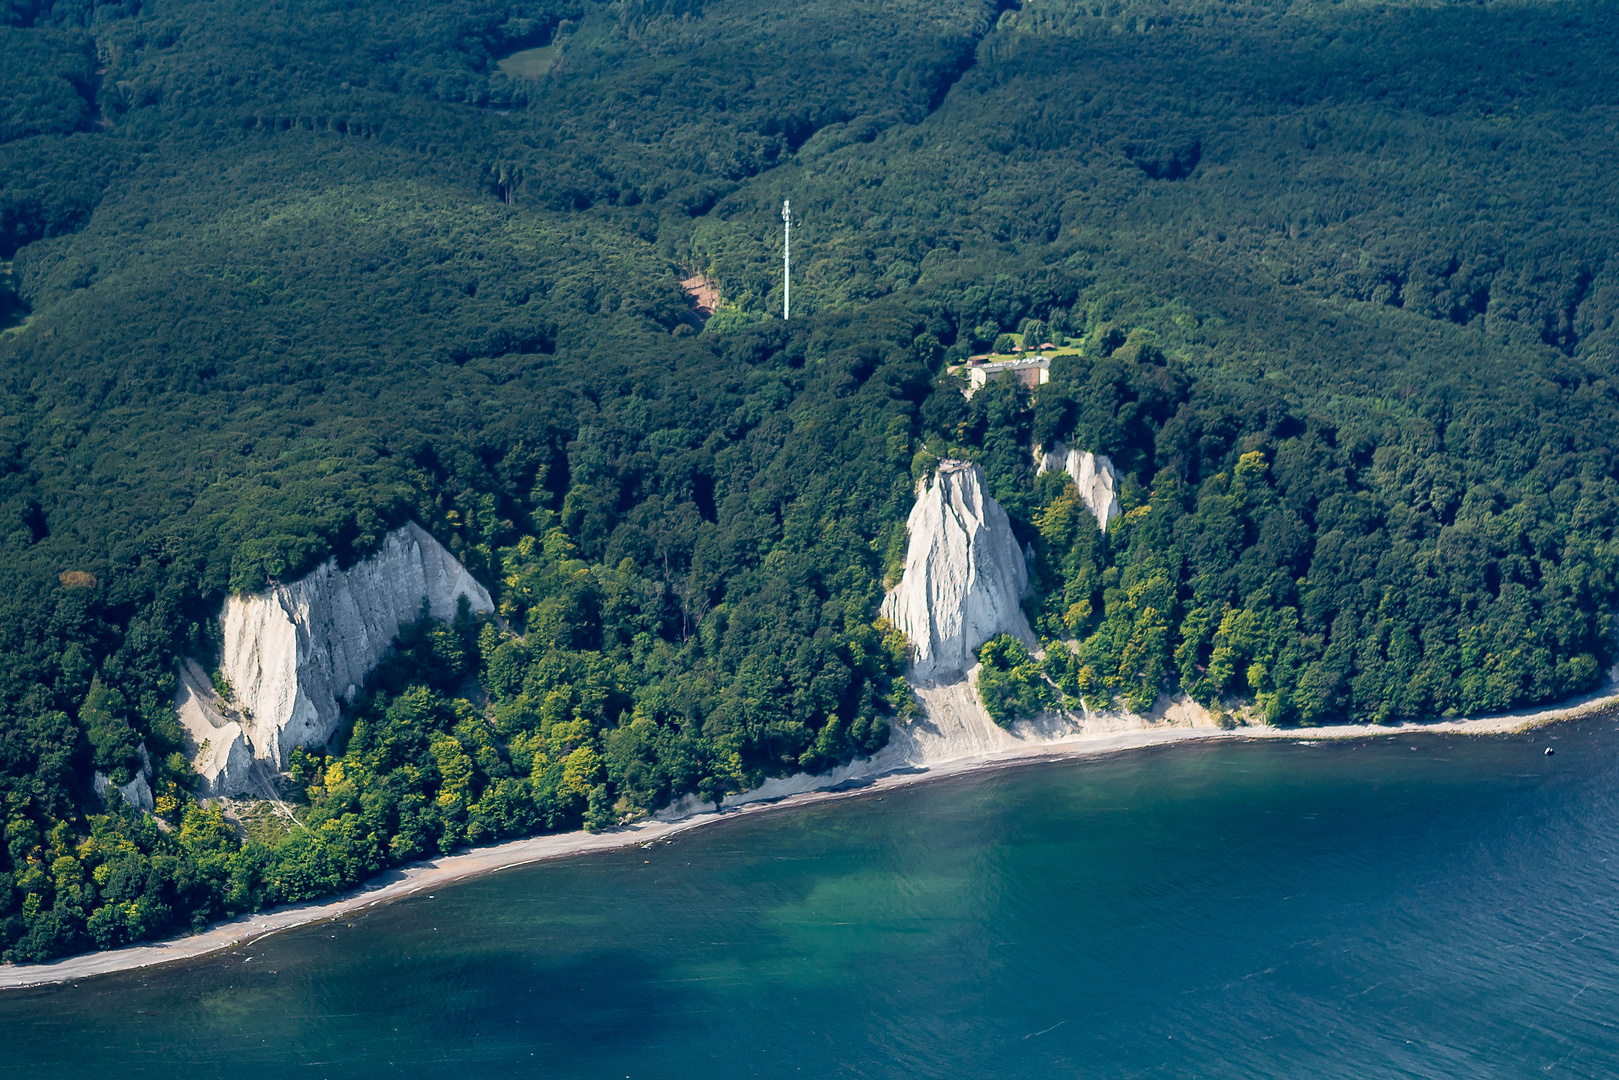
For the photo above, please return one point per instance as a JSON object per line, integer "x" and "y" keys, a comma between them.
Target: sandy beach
{"x": 953, "y": 738}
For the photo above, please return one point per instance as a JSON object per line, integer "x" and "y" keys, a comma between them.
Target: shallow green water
{"x": 1397, "y": 908}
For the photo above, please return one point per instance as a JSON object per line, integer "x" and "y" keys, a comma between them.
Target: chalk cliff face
{"x": 964, "y": 574}
{"x": 292, "y": 651}
{"x": 1093, "y": 474}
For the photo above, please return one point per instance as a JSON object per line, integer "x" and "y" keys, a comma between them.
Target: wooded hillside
{"x": 284, "y": 275}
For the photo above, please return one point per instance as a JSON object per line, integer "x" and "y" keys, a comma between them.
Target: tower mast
{"x": 787, "y": 261}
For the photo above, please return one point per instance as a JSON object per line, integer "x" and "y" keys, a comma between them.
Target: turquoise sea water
{"x": 1413, "y": 907}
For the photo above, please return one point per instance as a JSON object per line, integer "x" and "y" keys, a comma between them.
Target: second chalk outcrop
{"x": 1093, "y": 474}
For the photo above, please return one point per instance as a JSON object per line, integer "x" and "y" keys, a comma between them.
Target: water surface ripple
{"x": 1413, "y": 907}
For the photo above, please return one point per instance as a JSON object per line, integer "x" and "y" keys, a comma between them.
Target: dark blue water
{"x": 1424, "y": 907}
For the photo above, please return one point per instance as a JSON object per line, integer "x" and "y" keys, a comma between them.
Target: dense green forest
{"x": 283, "y": 274}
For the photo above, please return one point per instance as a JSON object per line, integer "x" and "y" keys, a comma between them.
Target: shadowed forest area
{"x": 285, "y": 274}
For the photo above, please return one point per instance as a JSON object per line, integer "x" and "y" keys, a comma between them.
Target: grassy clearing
{"x": 530, "y": 63}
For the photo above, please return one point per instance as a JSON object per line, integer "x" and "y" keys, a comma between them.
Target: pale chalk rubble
{"x": 214, "y": 740}
{"x": 137, "y": 793}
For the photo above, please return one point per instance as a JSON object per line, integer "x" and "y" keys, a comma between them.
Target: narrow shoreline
{"x": 420, "y": 877}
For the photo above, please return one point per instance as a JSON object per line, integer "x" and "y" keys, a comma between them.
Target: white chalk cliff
{"x": 1093, "y": 474}
{"x": 964, "y": 574}
{"x": 291, "y": 652}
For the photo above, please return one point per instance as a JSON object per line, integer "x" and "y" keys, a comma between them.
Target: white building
{"x": 1031, "y": 372}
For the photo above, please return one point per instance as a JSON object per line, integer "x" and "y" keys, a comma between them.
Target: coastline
{"x": 861, "y": 777}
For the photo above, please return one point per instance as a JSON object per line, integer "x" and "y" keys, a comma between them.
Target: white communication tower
{"x": 787, "y": 261}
